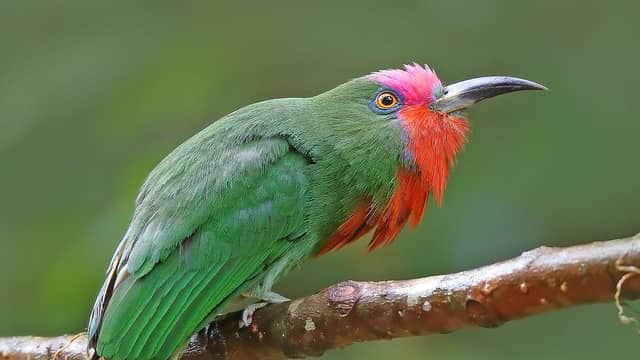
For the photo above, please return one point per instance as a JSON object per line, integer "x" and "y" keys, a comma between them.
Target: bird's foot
{"x": 267, "y": 298}
{"x": 247, "y": 314}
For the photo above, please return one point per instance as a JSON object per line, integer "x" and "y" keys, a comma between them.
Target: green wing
{"x": 208, "y": 222}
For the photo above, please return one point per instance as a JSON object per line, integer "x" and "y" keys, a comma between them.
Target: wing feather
{"x": 200, "y": 235}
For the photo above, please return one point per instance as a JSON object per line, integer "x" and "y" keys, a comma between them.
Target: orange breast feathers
{"x": 434, "y": 141}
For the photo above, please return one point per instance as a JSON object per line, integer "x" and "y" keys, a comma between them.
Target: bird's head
{"x": 431, "y": 115}
{"x": 408, "y": 115}
{"x": 397, "y": 133}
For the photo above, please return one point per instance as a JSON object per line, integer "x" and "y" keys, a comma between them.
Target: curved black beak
{"x": 461, "y": 95}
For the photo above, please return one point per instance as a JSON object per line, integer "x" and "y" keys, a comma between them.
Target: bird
{"x": 268, "y": 186}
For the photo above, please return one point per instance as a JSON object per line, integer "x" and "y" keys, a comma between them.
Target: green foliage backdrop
{"x": 94, "y": 94}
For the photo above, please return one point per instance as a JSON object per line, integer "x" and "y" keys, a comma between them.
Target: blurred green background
{"x": 92, "y": 96}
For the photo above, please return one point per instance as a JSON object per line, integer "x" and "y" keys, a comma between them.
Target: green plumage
{"x": 251, "y": 196}
{"x": 235, "y": 207}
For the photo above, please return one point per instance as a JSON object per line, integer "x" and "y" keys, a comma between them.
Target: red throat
{"x": 434, "y": 140}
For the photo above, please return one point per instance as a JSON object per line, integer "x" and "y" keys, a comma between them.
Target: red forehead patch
{"x": 415, "y": 83}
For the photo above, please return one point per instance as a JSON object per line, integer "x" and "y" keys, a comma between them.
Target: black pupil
{"x": 387, "y": 100}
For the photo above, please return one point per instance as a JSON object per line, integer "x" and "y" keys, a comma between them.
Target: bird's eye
{"x": 386, "y": 100}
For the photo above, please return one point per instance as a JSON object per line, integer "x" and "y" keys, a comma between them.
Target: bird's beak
{"x": 461, "y": 95}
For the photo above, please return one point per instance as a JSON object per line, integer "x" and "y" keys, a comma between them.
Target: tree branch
{"x": 537, "y": 281}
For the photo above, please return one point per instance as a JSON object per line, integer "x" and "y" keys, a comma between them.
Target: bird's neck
{"x": 433, "y": 141}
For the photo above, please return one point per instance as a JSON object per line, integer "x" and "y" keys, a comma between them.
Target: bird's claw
{"x": 247, "y": 314}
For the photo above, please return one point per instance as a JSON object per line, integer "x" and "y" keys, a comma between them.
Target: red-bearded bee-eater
{"x": 262, "y": 189}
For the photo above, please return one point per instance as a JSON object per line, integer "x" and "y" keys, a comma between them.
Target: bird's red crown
{"x": 416, "y": 84}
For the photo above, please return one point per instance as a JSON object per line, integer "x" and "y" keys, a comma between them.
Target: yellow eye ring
{"x": 386, "y": 100}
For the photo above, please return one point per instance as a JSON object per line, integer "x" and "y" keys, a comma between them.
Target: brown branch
{"x": 538, "y": 281}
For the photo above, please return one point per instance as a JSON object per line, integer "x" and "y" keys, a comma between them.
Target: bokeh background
{"x": 94, "y": 94}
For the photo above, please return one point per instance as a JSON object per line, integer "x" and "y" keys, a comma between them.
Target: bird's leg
{"x": 271, "y": 297}
{"x": 267, "y": 298}
{"x": 247, "y": 314}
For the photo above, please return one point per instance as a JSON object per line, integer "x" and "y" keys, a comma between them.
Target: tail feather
{"x": 154, "y": 315}
{"x": 223, "y": 288}
{"x": 147, "y": 344}
{"x": 145, "y": 313}
{"x": 178, "y": 294}
{"x": 104, "y": 296}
